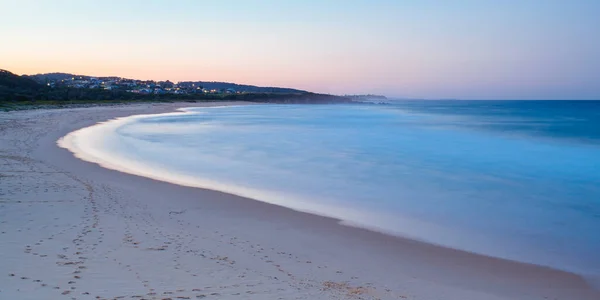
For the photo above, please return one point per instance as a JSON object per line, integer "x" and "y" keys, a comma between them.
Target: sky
{"x": 432, "y": 49}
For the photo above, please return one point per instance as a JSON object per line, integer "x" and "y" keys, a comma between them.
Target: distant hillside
{"x": 9, "y": 80}
{"x": 15, "y": 87}
{"x": 68, "y": 89}
{"x": 367, "y": 98}
{"x": 210, "y": 85}
{"x": 43, "y": 78}
{"x": 214, "y": 85}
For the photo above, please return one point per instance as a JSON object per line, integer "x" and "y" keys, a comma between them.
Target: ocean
{"x": 513, "y": 179}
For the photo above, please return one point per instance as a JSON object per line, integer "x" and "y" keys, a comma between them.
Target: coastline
{"x": 282, "y": 252}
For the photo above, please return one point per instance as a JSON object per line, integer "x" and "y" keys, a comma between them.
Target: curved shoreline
{"x": 87, "y": 144}
{"x": 465, "y": 273}
{"x": 89, "y": 154}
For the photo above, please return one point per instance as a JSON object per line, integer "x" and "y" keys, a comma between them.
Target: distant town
{"x": 64, "y": 88}
{"x": 151, "y": 87}
{"x": 144, "y": 87}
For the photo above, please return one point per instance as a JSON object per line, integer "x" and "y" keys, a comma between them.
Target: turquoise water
{"x": 512, "y": 179}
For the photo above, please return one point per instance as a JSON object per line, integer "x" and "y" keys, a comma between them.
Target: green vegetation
{"x": 22, "y": 92}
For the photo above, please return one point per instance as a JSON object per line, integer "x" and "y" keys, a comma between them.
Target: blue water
{"x": 513, "y": 179}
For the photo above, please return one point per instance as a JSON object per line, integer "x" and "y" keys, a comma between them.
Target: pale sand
{"x": 70, "y": 229}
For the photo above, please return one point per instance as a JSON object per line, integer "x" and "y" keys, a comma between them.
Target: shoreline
{"x": 393, "y": 267}
{"x": 85, "y": 142}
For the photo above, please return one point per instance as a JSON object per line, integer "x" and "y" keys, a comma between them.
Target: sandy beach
{"x": 71, "y": 229}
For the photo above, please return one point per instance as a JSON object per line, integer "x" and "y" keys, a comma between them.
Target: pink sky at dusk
{"x": 476, "y": 50}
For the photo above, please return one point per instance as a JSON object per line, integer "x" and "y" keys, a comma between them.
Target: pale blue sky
{"x": 527, "y": 49}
